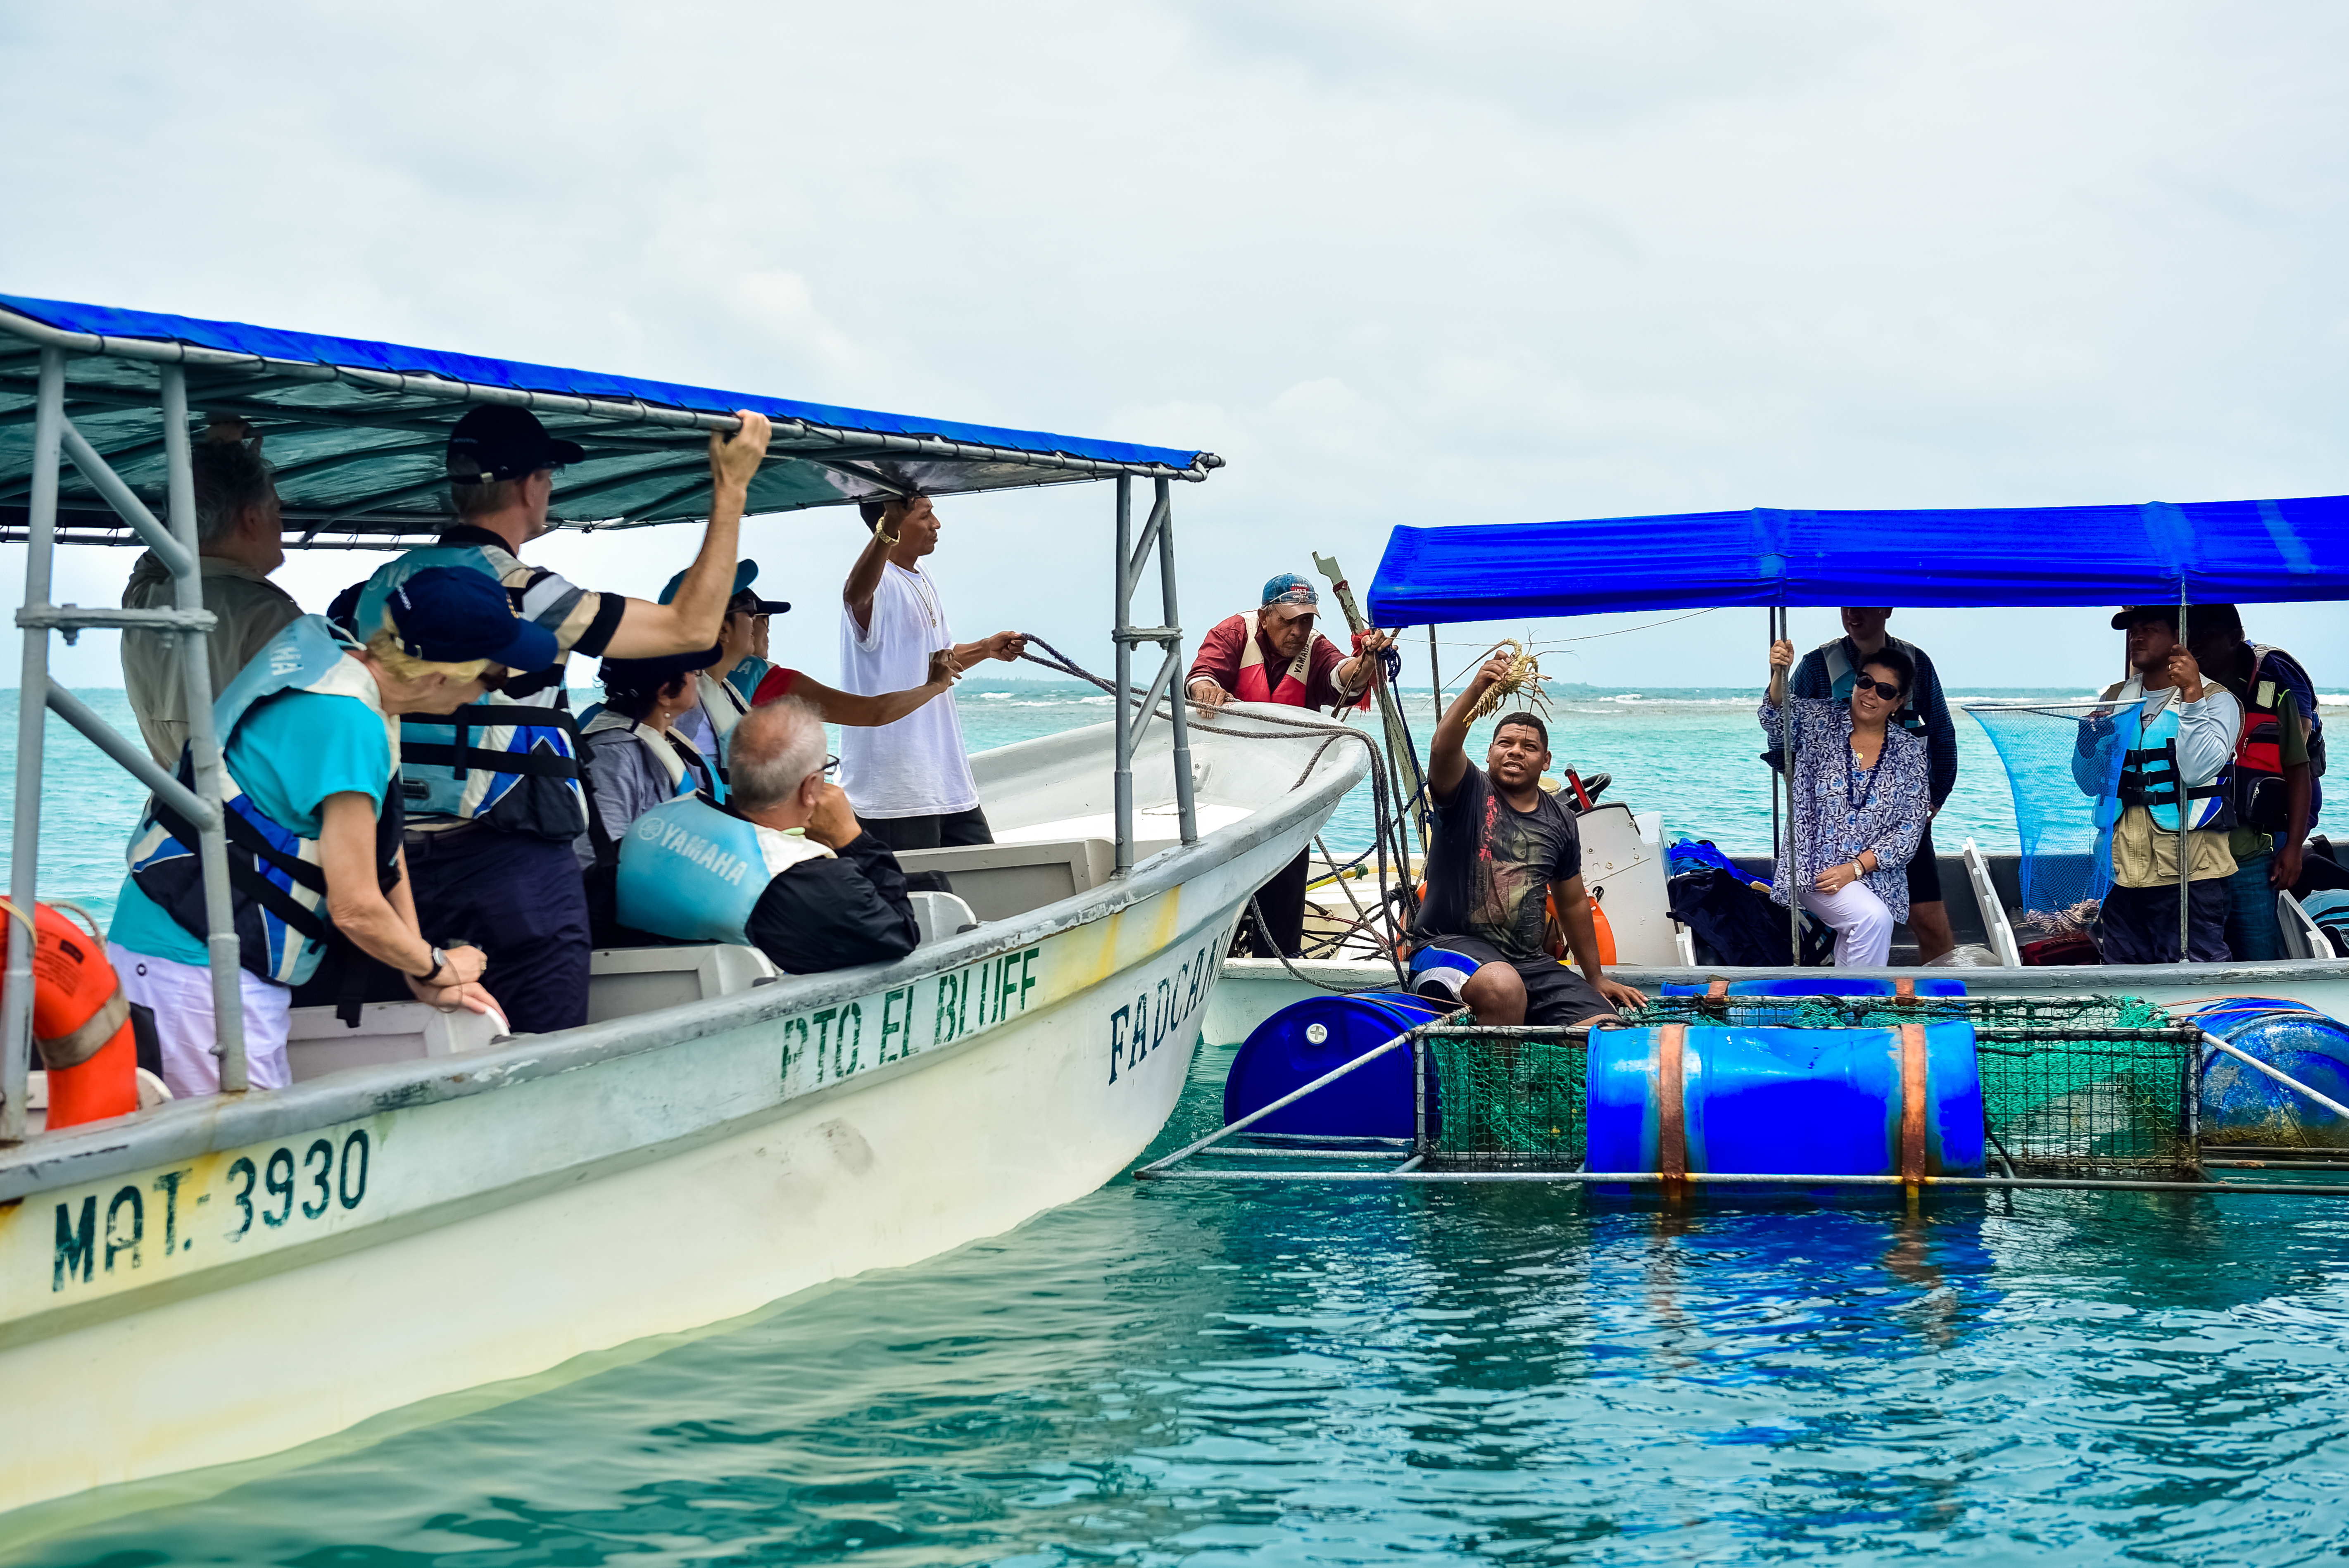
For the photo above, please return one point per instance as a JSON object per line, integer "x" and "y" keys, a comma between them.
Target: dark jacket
{"x": 837, "y": 913}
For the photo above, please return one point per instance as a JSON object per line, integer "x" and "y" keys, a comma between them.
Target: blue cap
{"x": 453, "y": 615}
{"x": 1289, "y": 588}
{"x": 745, "y": 573}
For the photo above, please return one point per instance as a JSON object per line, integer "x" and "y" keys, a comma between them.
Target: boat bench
{"x": 1000, "y": 881}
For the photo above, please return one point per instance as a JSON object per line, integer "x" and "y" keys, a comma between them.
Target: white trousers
{"x": 1863, "y": 927}
{"x": 182, "y": 996}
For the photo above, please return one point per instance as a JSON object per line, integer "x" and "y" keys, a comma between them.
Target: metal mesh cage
{"x": 1508, "y": 1102}
{"x": 2072, "y": 1087}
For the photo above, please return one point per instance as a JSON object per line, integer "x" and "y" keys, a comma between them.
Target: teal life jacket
{"x": 694, "y": 872}
{"x": 2149, "y": 777}
{"x": 511, "y": 760}
{"x": 277, "y": 886}
{"x": 744, "y": 677}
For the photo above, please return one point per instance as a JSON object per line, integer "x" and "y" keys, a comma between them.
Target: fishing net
{"x": 2061, "y": 758}
{"x": 2072, "y": 1087}
{"x": 1509, "y": 1102}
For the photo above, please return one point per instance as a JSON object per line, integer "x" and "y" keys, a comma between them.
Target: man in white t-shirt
{"x": 909, "y": 782}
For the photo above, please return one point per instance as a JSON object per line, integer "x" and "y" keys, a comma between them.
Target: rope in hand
{"x": 1383, "y": 821}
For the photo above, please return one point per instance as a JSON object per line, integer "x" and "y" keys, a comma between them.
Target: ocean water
{"x": 1694, "y": 754}
{"x": 1201, "y": 1375}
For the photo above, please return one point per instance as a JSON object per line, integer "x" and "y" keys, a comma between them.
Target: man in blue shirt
{"x": 1829, "y": 670}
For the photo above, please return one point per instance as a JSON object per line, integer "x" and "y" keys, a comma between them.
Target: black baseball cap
{"x": 453, "y": 615}
{"x": 744, "y": 600}
{"x": 495, "y": 441}
{"x": 651, "y": 674}
{"x": 2136, "y": 613}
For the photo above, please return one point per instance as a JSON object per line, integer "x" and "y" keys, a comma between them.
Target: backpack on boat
{"x": 1734, "y": 922}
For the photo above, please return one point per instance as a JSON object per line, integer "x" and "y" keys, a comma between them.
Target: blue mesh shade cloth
{"x": 2063, "y": 760}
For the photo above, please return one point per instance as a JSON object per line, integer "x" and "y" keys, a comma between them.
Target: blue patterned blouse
{"x": 1840, "y": 810}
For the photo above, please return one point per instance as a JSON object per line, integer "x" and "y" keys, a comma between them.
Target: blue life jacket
{"x": 511, "y": 759}
{"x": 276, "y": 883}
{"x": 2149, "y": 777}
{"x": 692, "y": 872}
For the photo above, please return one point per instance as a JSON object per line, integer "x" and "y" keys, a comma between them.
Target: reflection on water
{"x": 1189, "y": 1374}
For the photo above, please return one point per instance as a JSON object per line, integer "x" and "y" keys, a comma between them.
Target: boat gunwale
{"x": 191, "y": 1128}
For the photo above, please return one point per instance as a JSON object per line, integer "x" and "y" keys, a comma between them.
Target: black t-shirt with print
{"x": 1493, "y": 864}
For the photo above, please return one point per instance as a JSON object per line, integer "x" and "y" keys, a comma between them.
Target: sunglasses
{"x": 1881, "y": 688}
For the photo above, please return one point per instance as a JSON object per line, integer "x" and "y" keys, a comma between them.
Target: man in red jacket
{"x": 1271, "y": 655}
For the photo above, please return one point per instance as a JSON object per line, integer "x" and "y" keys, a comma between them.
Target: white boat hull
{"x": 222, "y": 1280}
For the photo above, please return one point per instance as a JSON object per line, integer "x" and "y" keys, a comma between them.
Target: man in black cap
{"x": 494, "y": 793}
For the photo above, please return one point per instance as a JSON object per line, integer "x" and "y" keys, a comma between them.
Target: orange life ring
{"x": 81, "y": 1021}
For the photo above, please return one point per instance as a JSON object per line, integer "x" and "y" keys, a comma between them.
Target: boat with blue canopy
{"x": 432, "y": 1209}
{"x": 2075, "y": 1059}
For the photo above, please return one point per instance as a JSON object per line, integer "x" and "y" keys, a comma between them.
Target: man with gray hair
{"x": 784, "y": 866}
{"x": 239, "y": 541}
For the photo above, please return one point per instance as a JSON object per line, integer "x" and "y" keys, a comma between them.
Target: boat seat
{"x": 941, "y": 915}
{"x": 999, "y": 881}
{"x": 627, "y": 982}
{"x": 2303, "y": 938}
{"x": 318, "y": 1042}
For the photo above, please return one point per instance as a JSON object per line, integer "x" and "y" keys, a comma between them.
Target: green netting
{"x": 1509, "y": 1102}
{"x": 2053, "y": 1104}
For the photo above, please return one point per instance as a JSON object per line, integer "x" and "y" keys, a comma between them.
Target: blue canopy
{"x": 2234, "y": 551}
{"x": 357, "y": 429}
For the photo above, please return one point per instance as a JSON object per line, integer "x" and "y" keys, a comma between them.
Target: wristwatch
{"x": 439, "y": 962}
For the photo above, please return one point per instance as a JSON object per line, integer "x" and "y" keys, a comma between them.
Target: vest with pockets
{"x": 276, "y": 885}
{"x": 2258, "y": 784}
{"x": 694, "y": 872}
{"x": 511, "y": 760}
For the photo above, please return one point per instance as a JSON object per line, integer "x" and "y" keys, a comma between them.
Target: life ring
{"x": 81, "y": 1022}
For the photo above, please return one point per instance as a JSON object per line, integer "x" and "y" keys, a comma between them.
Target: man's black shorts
{"x": 1925, "y": 871}
{"x": 1555, "y": 993}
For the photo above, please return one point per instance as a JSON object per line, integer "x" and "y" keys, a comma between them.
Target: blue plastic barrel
{"x": 1779, "y": 1101}
{"x": 1306, "y": 1040}
{"x": 2243, "y": 1105}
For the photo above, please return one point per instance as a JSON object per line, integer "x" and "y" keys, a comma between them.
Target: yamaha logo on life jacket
{"x": 694, "y": 872}
{"x": 511, "y": 760}
{"x": 276, "y": 885}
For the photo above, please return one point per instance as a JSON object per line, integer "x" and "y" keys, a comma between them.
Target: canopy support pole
{"x": 32, "y": 717}
{"x": 1133, "y": 718}
{"x": 2184, "y": 821}
{"x": 1122, "y": 785}
{"x": 1436, "y": 682}
{"x": 203, "y": 745}
{"x": 1783, "y": 624}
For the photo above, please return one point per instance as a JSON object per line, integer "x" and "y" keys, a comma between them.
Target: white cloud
{"x": 1400, "y": 263}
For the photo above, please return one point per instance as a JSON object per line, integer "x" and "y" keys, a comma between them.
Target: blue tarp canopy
{"x": 2231, "y": 551}
{"x": 357, "y": 429}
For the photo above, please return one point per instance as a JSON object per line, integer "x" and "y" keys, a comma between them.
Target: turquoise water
{"x": 1199, "y": 1376}
{"x": 1692, "y": 755}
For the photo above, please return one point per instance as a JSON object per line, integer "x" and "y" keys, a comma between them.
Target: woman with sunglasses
{"x": 1862, "y": 797}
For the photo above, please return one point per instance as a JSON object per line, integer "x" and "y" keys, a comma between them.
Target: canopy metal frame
{"x": 55, "y": 438}
{"x": 231, "y": 383}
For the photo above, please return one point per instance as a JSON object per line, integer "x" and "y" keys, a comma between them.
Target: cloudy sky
{"x": 1397, "y": 263}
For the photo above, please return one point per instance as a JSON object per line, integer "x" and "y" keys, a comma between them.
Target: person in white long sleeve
{"x": 2172, "y": 784}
